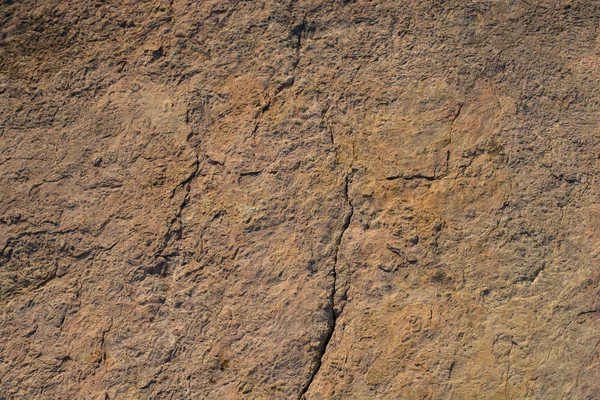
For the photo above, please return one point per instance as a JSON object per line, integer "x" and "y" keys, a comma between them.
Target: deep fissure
{"x": 333, "y": 316}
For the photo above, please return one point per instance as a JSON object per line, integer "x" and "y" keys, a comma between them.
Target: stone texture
{"x": 299, "y": 199}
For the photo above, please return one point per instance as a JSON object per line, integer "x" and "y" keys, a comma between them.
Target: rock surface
{"x": 299, "y": 199}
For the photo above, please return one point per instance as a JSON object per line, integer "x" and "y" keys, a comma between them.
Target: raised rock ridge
{"x": 299, "y": 199}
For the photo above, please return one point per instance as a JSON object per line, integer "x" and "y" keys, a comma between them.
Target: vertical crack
{"x": 103, "y": 343}
{"x": 506, "y": 388}
{"x": 297, "y": 32}
{"x": 185, "y": 185}
{"x": 331, "y": 306}
{"x": 175, "y": 224}
{"x": 452, "y": 121}
{"x": 586, "y": 363}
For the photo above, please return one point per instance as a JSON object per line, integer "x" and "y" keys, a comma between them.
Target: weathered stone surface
{"x": 299, "y": 199}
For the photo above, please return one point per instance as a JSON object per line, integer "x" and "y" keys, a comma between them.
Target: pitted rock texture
{"x": 299, "y": 199}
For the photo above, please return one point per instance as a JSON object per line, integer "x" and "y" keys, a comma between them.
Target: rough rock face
{"x": 299, "y": 199}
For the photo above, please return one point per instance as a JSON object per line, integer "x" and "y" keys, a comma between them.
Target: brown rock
{"x": 299, "y": 199}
